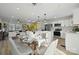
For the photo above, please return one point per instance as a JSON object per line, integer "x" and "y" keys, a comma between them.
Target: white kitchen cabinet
{"x": 18, "y": 27}
{"x": 76, "y": 16}
{"x": 72, "y": 42}
{"x": 11, "y": 27}
{"x": 68, "y": 22}
{"x": 64, "y": 22}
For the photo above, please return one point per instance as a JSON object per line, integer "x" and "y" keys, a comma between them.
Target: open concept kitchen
{"x": 39, "y": 28}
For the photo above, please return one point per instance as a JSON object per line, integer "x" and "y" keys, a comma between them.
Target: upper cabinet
{"x": 76, "y": 16}
{"x": 64, "y": 22}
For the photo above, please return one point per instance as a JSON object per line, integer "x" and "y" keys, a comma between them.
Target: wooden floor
{"x": 4, "y": 47}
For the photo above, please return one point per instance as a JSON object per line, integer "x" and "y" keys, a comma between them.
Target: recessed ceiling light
{"x": 55, "y": 17}
{"x": 18, "y": 8}
{"x": 12, "y": 16}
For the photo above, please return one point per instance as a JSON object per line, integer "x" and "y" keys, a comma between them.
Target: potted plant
{"x": 75, "y": 29}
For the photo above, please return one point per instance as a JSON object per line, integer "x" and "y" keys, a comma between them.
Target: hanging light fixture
{"x": 34, "y": 4}
{"x": 18, "y": 21}
{"x": 38, "y": 18}
{"x": 44, "y": 17}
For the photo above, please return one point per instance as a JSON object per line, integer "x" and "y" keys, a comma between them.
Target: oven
{"x": 57, "y": 32}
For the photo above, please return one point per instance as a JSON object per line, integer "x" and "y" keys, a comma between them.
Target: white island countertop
{"x": 72, "y": 42}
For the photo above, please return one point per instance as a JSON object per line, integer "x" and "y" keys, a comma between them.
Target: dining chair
{"x": 51, "y": 48}
{"x": 12, "y": 34}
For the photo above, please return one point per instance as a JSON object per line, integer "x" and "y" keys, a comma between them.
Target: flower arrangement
{"x": 31, "y": 27}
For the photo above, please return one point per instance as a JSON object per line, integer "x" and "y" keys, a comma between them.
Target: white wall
{"x": 0, "y": 20}
{"x": 64, "y": 22}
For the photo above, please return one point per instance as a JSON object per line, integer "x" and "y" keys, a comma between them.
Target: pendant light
{"x": 34, "y": 4}
{"x": 45, "y": 17}
{"x": 38, "y": 18}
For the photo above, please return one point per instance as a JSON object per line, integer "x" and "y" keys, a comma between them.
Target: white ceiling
{"x": 27, "y": 11}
